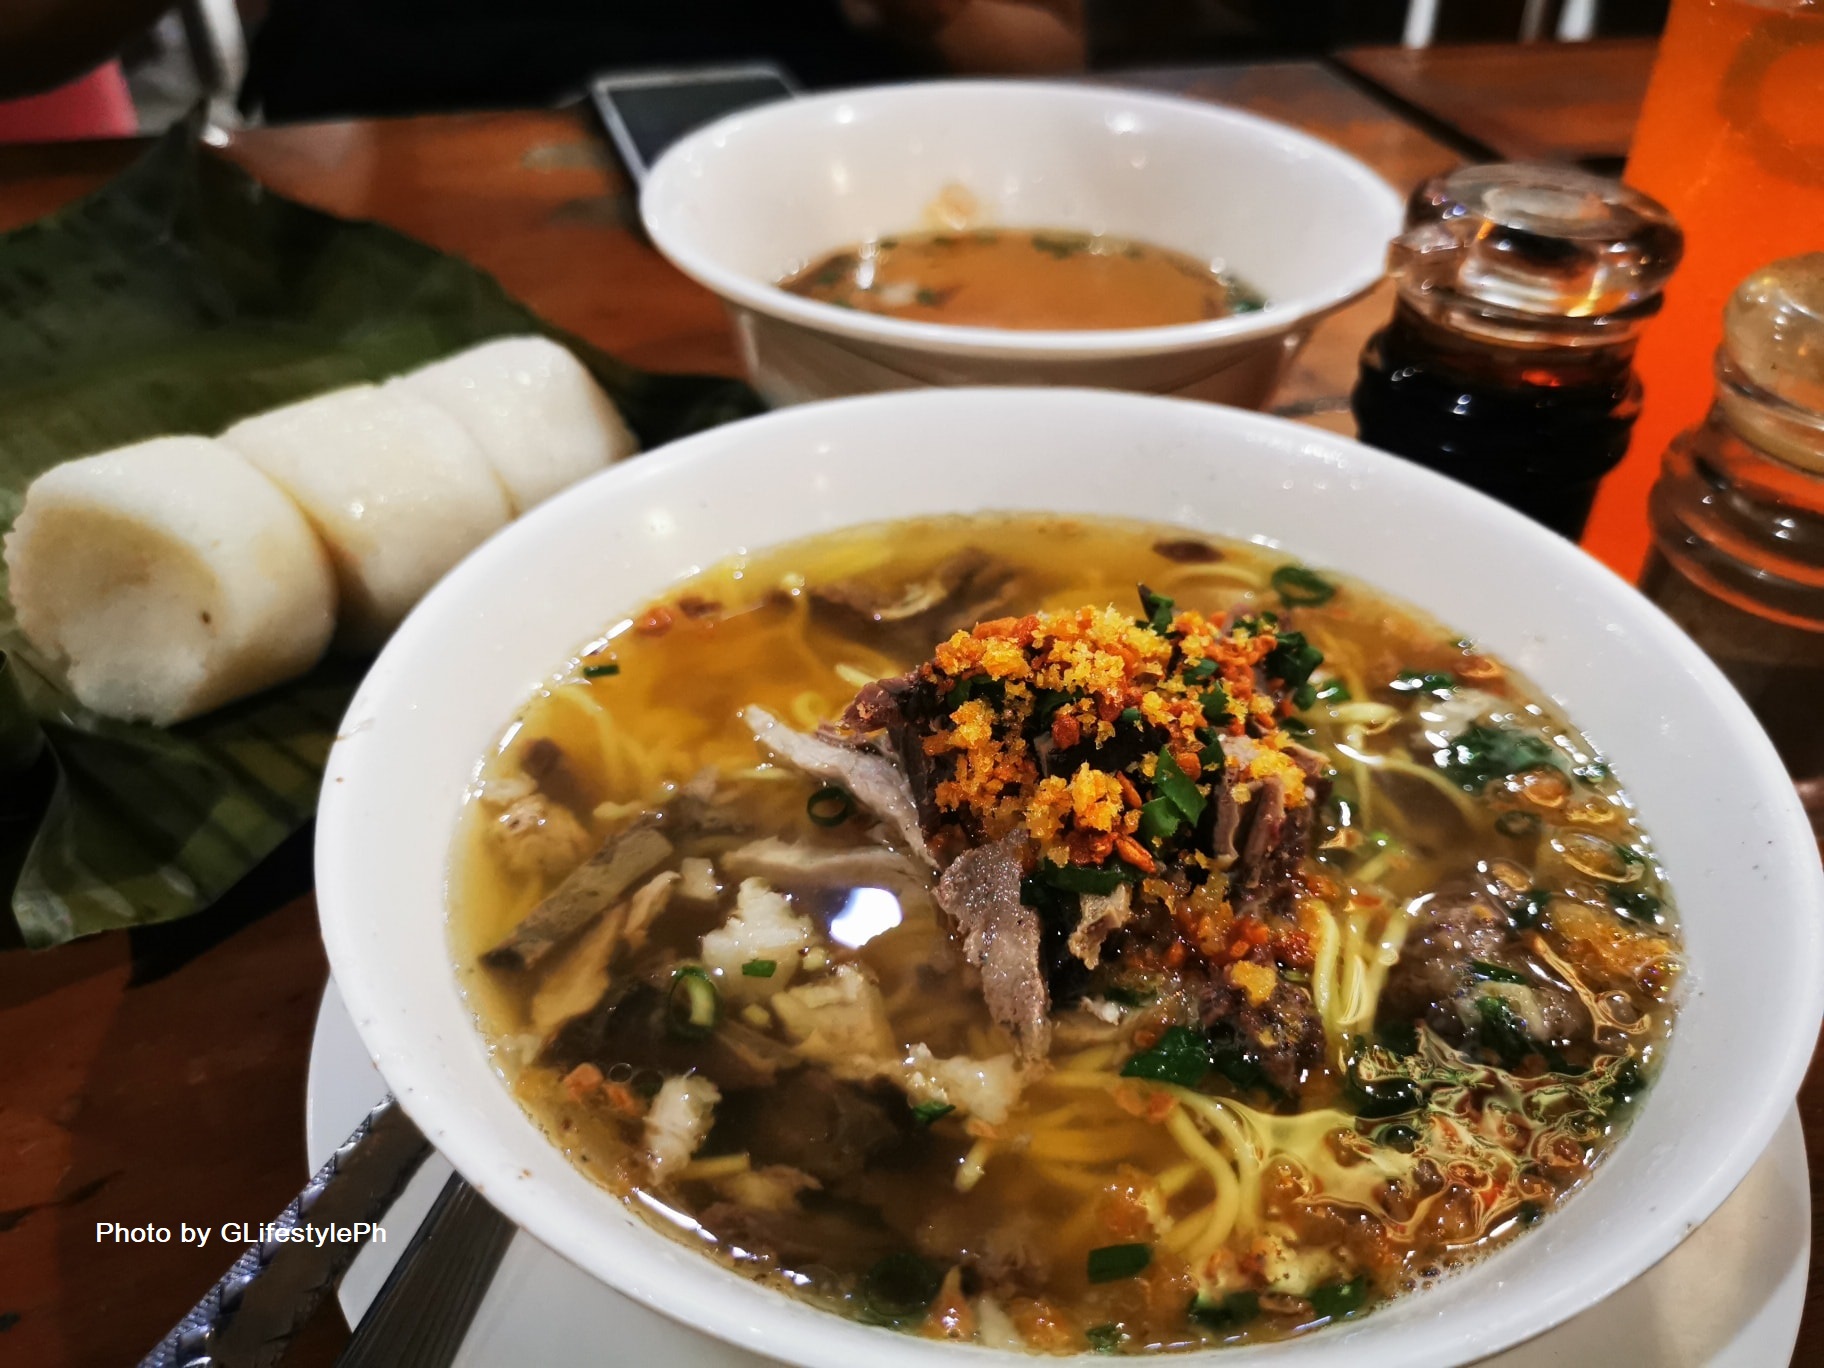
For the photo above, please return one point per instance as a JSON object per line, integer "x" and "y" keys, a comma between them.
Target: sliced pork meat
{"x": 591, "y": 889}
{"x": 981, "y": 893}
{"x": 1103, "y": 915}
{"x": 870, "y": 777}
{"x": 911, "y": 616}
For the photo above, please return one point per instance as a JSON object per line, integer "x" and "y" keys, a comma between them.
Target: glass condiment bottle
{"x": 1737, "y": 515}
{"x": 1508, "y": 363}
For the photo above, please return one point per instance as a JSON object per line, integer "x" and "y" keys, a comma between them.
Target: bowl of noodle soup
{"x": 661, "y": 622}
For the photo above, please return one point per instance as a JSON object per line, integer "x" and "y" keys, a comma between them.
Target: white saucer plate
{"x": 1729, "y": 1297}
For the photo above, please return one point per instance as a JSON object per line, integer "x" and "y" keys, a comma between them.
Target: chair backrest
{"x": 1576, "y": 21}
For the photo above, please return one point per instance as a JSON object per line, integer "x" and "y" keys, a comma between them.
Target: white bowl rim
{"x": 392, "y": 1036}
{"x": 766, "y": 297}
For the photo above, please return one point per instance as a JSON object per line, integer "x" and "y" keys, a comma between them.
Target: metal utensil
{"x": 247, "y": 1320}
{"x": 423, "y": 1310}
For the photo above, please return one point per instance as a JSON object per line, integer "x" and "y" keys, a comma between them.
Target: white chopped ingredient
{"x": 678, "y": 1121}
{"x": 840, "y": 1022}
{"x": 994, "y": 1328}
{"x": 773, "y": 1188}
{"x": 762, "y": 927}
{"x": 538, "y": 836}
{"x": 645, "y": 905}
{"x": 698, "y": 879}
{"x": 1103, "y": 1010}
{"x": 985, "y": 1088}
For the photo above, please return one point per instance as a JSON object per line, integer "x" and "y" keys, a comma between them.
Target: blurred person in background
{"x": 58, "y": 76}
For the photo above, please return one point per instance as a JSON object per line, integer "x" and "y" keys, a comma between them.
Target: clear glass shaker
{"x": 1737, "y": 515}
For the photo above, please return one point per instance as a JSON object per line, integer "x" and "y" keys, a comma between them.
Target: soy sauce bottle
{"x": 1737, "y": 515}
{"x": 1508, "y": 363}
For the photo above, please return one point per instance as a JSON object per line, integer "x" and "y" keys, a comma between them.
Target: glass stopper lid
{"x": 1772, "y": 360}
{"x": 1537, "y": 241}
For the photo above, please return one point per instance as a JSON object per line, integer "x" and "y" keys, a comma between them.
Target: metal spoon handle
{"x": 423, "y": 1311}
{"x": 248, "y": 1318}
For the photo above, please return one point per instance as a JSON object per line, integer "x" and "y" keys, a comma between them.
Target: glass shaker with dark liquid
{"x": 1508, "y": 363}
{"x": 1738, "y": 515}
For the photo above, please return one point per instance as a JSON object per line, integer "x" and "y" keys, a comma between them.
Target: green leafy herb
{"x": 1201, "y": 672}
{"x": 1637, "y": 904}
{"x": 1528, "y": 1213}
{"x": 1292, "y": 726}
{"x": 1158, "y": 609}
{"x": 1173, "y": 783}
{"x": 1047, "y": 701}
{"x": 1494, "y": 973}
{"x": 1130, "y": 717}
{"x": 1299, "y": 587}
{"x": 830, "y": 806}
{"x": 1333, "y": 691}
{"x": 607, "y": 671}
{"x": 1081, "y": 878}
{"x": 1292, "y": 660}
{"x": 1159, "y": 818}
{"x": 927, "y": 1112}
{"x": 1530, "y": 909}
{"x": 1594, "y": 772}
{"x": 1233, "y": 1061}
{"x": 1111, "y": 1263}
{"x": 1217, "y": 707}
{"x": 899, "y": 1289}
{"x": 1501, "y": 1030}
{"x": 992, "y": 691}
{"x": 1229, "y": 1312}
{"x": 1104, "y": 1339}
{"x": 1336, "y": 1300}
{"x": 1179, "y": 1056}
{"x": 759, "y": 968}
{"x": 693, "y": 1007}
{"x": 1483, "y": 753}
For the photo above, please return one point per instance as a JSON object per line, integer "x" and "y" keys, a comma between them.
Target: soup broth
{"x": 1027, "y": 279}
{"x": 1287, "y": 951}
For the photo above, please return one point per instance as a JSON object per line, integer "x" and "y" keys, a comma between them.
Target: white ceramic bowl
{"x": 759, "y": 195}
{"x": 1711, "y": 791}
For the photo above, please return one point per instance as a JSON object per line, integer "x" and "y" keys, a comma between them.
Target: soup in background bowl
{"x": 498, "y": 629}
{"x": 756, "y": 198}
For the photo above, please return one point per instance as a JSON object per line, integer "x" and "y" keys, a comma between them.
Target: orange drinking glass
{"x": 1731, "y": 140}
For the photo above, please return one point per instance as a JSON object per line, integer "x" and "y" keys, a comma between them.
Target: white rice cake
{"x": 396, "y": 488}
{"x": 168, "y": 578}
{"x": 536, "y": 412}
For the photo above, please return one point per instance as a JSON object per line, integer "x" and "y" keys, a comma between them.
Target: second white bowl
{"x": 754, "y": 197}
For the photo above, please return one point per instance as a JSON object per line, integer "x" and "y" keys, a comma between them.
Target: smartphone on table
{"x": 645, "y": 112}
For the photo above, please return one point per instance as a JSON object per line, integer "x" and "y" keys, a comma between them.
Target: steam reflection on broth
{"x": 1206, "y": 968}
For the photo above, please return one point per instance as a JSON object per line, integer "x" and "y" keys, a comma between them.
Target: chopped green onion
{"x": 694, "y": 1007}
{"x": 830, "y": 806}
{"x": 1333, "y": 691}
{"x": 927, "y": 1112}
{"x": 1158, "y": 609}
{"x": 1111, "y": 1263}
{"x": 1131, "y": 716}
{"x": 1224, "y": 1313}
{"x": 1173, "y": 783}
{"x": 1334, "y": 1301}
{"x": 1399, "y": 1136}
{"x": 1292, "y": 660}
{"x": 600, "y": 671}
{"x": 759, "y": 968}
{"x": 1181, "y": 1056}
{"x": 1293, "y": 727}
{"x": 1496, "y": 973}
{"x": 1201, "y": 671}
{"x": 1299, "y": 587}
{"x": 1502, "y": 1030}
{"x": 1158, "y": 819}
{"x": 898, "y": 1289}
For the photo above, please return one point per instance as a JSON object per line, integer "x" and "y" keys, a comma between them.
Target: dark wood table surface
{"x": 1519, "y": 101}
{"x": 159, "y": 1076}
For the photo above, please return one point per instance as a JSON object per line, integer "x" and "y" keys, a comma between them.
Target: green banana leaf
{"x": 179, "y": 298}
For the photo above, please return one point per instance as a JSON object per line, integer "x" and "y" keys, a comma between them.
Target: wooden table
{"x": 160, "y": 1076}
{"x": 1519, "y": 101}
